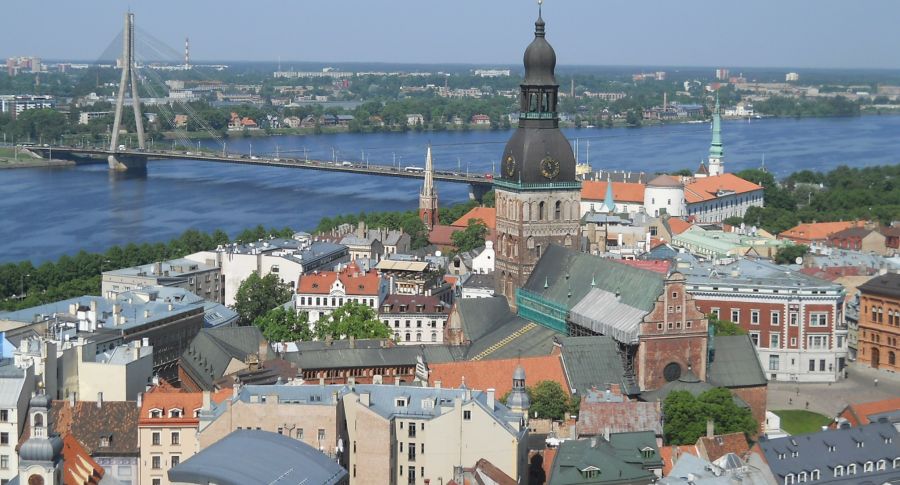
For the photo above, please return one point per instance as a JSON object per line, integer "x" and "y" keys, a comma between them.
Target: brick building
{"x": 879, "y": 322}
{"x": 795, "y": 321}
{"x": 864, "y": 239}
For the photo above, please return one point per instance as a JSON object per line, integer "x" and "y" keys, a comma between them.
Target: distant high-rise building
{"x": 722, "y": 74}
{"x": 791, "y": 76}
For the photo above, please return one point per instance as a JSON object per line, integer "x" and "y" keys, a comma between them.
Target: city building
{"x": 618, "y": 458}
{"x": 321, "y": 292}
{"x": 16, "y": 104}
{"x": 108, "y": 432}
{"x": 722, "y": 74}
{"x": 118, "y": 374}
{"x": 665, "y": 195}
{"x": 854, "y": 455}
{"x": 40, "y": 455}
{"x": 605, "y": 411}
{"x": 16, "y": 386}
{"x": 265, "y": 458}
{"x": 477, "y": 261}
{"x": 216, "y": 353}
{"x": 405, "y": 277}
{"x": 151, "y": 315}
{"x": 200, "y": 279}
{"x": 17, "y": 65}
{"x": 85, "y": 117}
{"x": 718, "y": 197}
{"x": 879, "y": 322}
{"x": 477, "y": 286}
{"x": 288, "y": 258}
{"x": 865, "y": 239}
{"x": 736, "y": 243}
{"x": 861, "y": 414}
{"x": 416, "y": 435}
{"x": 538, "y": 197}
{"x": 795, "y": 321}
{"x": 415, "y": 319}
{"x": 809, "y": 233}
{"x": 364, "y": 244}
{"x": 727, "y": 470}
{"x": 627, "y": 197}
{"x": 791, "y": 77}
{"x": 494, "y": 374}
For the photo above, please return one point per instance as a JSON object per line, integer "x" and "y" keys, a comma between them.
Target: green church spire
{"x": 715, "y": 148}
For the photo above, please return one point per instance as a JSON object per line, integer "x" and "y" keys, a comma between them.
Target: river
{"x": 48, "y": 212}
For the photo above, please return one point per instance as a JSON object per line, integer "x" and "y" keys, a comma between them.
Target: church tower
{"x": 538, "y": 199}
{"x": 716, "y": 150}
{"x": 428, "y": 199}
{"x": 40, "y": 457}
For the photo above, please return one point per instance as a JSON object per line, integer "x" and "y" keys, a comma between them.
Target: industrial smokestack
{"x": 187, "y": 53}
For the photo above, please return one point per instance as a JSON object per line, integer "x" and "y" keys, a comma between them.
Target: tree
{"x": 549, "y": 401}
{"x": 471, "y": 237}
{"x": 789, "y": 254}
{"x": 284, "y": 325}
{"x": 352, "y": 319}
{"x": 256, "y": 296}
{"x": 735, "y": 221}
{"x": 685, "y": 415}
{"x": 724, "y": 327}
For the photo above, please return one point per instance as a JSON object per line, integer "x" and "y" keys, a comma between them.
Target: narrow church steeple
{"x": 428, "y": 199}
{"x": 609, "y": 203}
{"x": 716, "y": 150}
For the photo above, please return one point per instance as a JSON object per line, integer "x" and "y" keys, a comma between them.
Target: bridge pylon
{"x": 117, "y": 162}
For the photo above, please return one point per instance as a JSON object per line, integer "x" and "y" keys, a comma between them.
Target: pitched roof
{"x": 497, "y": 374}
{"x": 671, "y": 454}
{"x": 265, "y": 458}
{"x": 212, "y": 350}
{"x": 594, "y": 361}
{"x": 78, "y": 466}
{"x": 717, "y": 446}
{"x": 622, "y": 191}
{"x": 815, "y": 231}
{"x": 708, "y": 188}
{"x": 354, "y": 280}
{"x": 88, "y": 421}
{"x": 664, "y": 181}
{"x": 655, "y": 265}
{"x": 441, "y": 235}
{"x": 497, "y": 333}
{"x": 597, "y": 418}
{"x": 612, "y": 459}
{"x": 851, "y": 232}
{"x": 735, "y": 363}
{"x": 677, "y": 226}
{"x": 488, "y": 215}
{"x": 859, "y": 414}
{"x": 886, "y": 284}
{"x": 413, "y": 304}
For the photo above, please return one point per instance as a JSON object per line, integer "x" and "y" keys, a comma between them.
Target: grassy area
{"x": 800, "y": 422}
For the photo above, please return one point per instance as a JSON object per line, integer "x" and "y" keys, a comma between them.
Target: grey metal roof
{"x": 887, "y": 285}
{"x": 603, "y": 312}
{"x": 210, "y": 352}
{"x": 692, "y": 470}
{"x": 477, "y": 280}
{"x": 11, "y": 382}
{"x": 735, "y": 363}
{"x": 856, "y": 445}
{"x": 265, "y": 458}
{"x": 326, "y": 357}
{"x": 497, "y": 333}
{"x": 594, "y": 361}
{"x": 751, "y": 273}
{"x": 687, "y": 382}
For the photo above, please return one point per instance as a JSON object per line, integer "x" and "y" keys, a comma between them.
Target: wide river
{"x": 46, "y": 213}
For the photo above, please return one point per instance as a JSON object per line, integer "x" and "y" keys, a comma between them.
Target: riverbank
{"x": 11, "y": 163}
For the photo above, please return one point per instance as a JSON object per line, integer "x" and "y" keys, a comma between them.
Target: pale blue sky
{"x": 777, "y": 33}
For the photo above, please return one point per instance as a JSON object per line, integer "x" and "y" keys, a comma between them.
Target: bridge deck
{"x": 323, "y": 165}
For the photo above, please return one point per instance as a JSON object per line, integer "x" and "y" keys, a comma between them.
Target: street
{"x": 830, "y": 399}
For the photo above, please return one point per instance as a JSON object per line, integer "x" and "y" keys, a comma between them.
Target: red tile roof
{"x": 858, "y": 413}
{"x": 488, "y": 215}
{"x": 595, "y": 418}
{"x": 677, "y": 226}
{"x": 622, "y": 191}
{"x": 441, "y": 235}
{"x": 718, "y": 446}
{"x": 167, "y": 398}
{"x": 78, "y": 466}
{"x": 815, "y": 231}
{"x": 497, "y": 374}
{"x": 706, "y": 188}
{"x": 354, "y": 280}
{"x": 670, "y": 454}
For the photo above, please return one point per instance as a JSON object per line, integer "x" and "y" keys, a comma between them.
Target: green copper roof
{"x": 715, "y": 148}
{"x": 609, "y": 201}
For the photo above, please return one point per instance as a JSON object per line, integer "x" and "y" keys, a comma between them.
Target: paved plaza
{"x": 830, "y": 399}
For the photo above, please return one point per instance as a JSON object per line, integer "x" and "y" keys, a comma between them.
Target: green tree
{"x": 549, "y": 401}
{"x": 352, "y": 319}
{"x": 685, "y": 415}
{"x": 256, "y": 296}
{"x": 471, "y": 237}
{"x": 789, "y": 254}
{"x": 284, "y": 325}
{"x": 724, "y": 327}
{"x": 734, "y": 221}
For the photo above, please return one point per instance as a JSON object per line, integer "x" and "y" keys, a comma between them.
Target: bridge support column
{"x": 477, "y": 191}
{"x": 121, "y": 162}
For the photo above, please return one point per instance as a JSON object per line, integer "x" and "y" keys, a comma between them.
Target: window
{"x": 789, "y": 479}
{"x": 716, "y": 312}
{"x": 814, "y": 475}
{"x": 754, "y": 337}
{"x": 412, "y": 429}
{"x": 812, "y": 365}
{"x": 467, "y": 415}
{"x": 4, "y": 438}
{"x": 4, "y": 415}
{"x": 176, "y": 460}
{"x": 775, "y": 318}
{"x": 851, "y": 469}
{"x": 156, "y": 413}
{"x": 882, "y": 464}
{"x": 321, "y": 434}
{"x": 735, "y": 315}
{"x": 4, "y": 462}
{"x": 773, "y": 362}
{"x": 817, "y": 342}
{"x": 176, "y": 438}
{"x": 839, "y": 471}
{"x": 818, "y": 319}
{"x": 155, "y": 462}
{"x": 794, "y": 319}
{"x": 869, "y": 466}
{"x": 156, "y": 438}
{"x": 411, "y": 476}
{"x": 774, "y": 340}
{"x": 104, "y": 441}
{"x": 801, "y": 477}
{"x": 411, "y": 452}
{"x": 157, "y": 481}
{"x": 754, "y": 317}
{"x": 299, "y": 433}
{"x": 793, "y": 341}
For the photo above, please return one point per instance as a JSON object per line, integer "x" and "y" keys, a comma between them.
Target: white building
{"x": 415, "y": 319}
{"x": 791, "y": 76}
{"x": 288, "y": 258}
{"x": 484, "y": 262}
{"x": 16, "y": 386}
{"x": 321, "y": 292}
{"x": 85, "y": 117}
{"x": 665, "y": 195}
{"x": 16, "y": 104}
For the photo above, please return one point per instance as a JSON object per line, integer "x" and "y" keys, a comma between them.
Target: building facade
{"x": 538, "y": 197}
{"x": 16, "y": 386}
{"x": 167, "y": 429}
{"x": 198, "y": 278}
{"x": 879, "y": 322}
{"x": 415, "y": 319}
{"x": 322, "y": 292}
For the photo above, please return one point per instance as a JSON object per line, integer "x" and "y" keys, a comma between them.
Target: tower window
{"x": 542, "y": 211}
{"x": 557, "y": 211}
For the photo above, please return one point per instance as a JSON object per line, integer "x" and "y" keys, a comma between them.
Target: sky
{"x": 726, "y": 33}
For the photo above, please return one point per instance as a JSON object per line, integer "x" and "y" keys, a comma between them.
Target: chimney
{"x": 235, "y": 389}
{"x": 94, "y": 306}
{"x": 321, "y": 381}
{"x": 710, "y": 428}
{"x": 207, "y": 401}
{"x": 616, "y": 389}
{"x": 364, "y": 399}
{"x": 140, "y": 399}
{"x": 352, "y": 342}
{"x": 490, "y": 398}
{"x": 157, "y": 268}
{"x": 99, "y": 399}
{"x": 72, "y": 400}
{"x": 437, "y": 384}
{"x": 263, "y": 351}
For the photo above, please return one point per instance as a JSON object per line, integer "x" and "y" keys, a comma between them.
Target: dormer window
{"x": 176, "y": 413}
{"x": 590, "y": 472}
{"x": 196, "y": 413}
{"x": 156, "y": 413}
{"x": 400, "y": 402}
{"x": 647, "y": 453}
{"x": 104, "y": 441}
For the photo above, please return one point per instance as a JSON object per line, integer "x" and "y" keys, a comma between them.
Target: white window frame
{"x": 774, "y": 340}
{"x": 818, "y": 319}
{"x": 754, "y": 317}
{"x": 756, "y": 342}
{"x": 794, "y": 319}
{"x": 817, "y": 337}
{"x": 775, "y": 318}
{"x": 736, "y": 312}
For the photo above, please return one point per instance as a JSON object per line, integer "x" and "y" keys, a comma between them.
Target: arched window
{"x": 39, "y": 420}
{"x": 789, "y": 479}
{"x": 892, "y": 359}
{"x": 839, "y": 471}
{"x": 541, "y": 211}
{"x": 851, "y": 469}
{"x": 557, "y": 210}
{"x": 814, "y": 475}
{"x": 869, "y": 466}
{"x": 408, "y": 337}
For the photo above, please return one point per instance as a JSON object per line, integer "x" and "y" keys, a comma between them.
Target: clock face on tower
{"x": 509, "y": 165}
{"x": 35, "y": 480}
{"x": 549, "y": 168}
